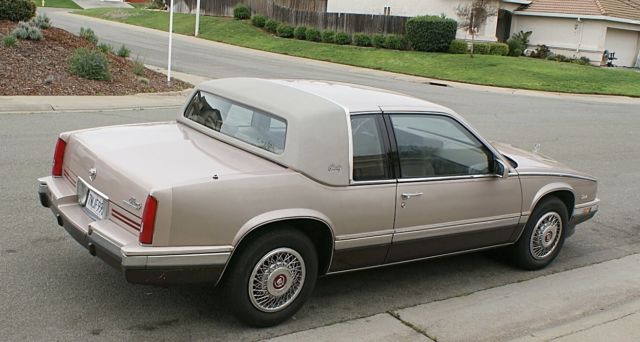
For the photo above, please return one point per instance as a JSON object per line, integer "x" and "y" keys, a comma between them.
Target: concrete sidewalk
{"x": 599, "y": 302}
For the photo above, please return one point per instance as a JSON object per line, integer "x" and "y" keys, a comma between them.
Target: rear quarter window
{"x": 246, "y": 124}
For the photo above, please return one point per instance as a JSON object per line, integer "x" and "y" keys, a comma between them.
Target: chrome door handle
{"x": 408, "y": 195}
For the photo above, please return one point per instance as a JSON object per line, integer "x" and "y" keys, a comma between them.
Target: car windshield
{"x": 243, "y": 123}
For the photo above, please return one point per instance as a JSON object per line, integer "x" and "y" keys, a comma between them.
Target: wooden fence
{"x": 311, "y": 13}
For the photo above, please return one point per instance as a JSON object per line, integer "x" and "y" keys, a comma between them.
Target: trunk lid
{"x": 130, "y": 161}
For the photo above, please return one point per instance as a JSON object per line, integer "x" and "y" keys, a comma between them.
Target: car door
{"x": 369, "y": 201}
{"x": 449, "y": 196}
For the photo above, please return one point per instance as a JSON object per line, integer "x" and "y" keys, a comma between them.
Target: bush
{"x": 17, "y": 10}
{"x": 92, "y": 65}
{"x": 9, "y": 41}
{"x": 516, "y": 48}
{"x": 459, "y": 46}
{"x": 26, "y": 31}
{"x": 560, "y": 58}
{"x": 285, "y": 31}
{"x": 328, "y": 36}
{"x": 431, "y": 33}
{"x": 518, "y": 43}
{"x": 377, "y": 40}
{"x": 41, "y": 22}
{"x": 138, "y": 68}
{"x": 124, "y": 52}
{"x": 300, "y": 33}
{"x": 258, "y": 20}
{"x": 395, "y": 42}
{"x": 241, "y": 12}
{"x": 271, "y": 26}
{"x": 542, "y": 51}
{"x": 481, "y": 48}
{"x": 582, "y": 61}
{"x": 105, "y": 48}
{"x": 343, "y": 38}
{"x": 88, "y": 35}
{"x": 362, "y": 39}
{"x": 313, "y": 35}
{"x": 498, "y": 49}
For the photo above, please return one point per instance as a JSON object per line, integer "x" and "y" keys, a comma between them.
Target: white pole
{"x": 170, "y": 42}
{"x": 197, "y": 18}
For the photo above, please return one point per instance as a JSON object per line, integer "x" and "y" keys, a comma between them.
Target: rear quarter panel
{"x": 220, "y": 212}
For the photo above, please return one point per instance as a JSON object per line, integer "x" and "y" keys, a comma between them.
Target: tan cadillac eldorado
{"x": 261, "y": 186}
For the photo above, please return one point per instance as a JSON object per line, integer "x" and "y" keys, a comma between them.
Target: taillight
{"x": 58, "y": 156}
{"x": 148, "y": 220}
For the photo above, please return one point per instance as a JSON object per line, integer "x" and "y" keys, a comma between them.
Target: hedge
{"x": 300, "y": 33}
{"x": 499, "y": 49}
{"x": 313, "y": 35}
{"x": 17, "y": 10}
{"x": 378, "y": 40}
{"x": 328, "y": 36}
{"x": 241, "y": 12}
{"x": 395, "y": 42}
{"x": 343, "y": 38}
{"x": 431, "y": 33}
{"x": 285, "y": 31}
{"x": 271, "y": 26}
{"x": 258, "y": 20}
{"x": 362, "y": 39}
{"x": 459, "y": 46}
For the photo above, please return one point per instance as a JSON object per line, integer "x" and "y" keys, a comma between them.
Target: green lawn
{"x": 58, "y": 4}
{"x": 524, "y": 73}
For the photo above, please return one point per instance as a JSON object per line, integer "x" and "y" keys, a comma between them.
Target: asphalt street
{"x": 51, "y": 288}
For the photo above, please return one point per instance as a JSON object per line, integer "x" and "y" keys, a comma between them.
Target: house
{"x": 584, "y": 28}
{"x": 574, "y": 28}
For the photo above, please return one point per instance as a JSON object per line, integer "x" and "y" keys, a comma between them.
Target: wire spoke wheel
{"x": 546, "y": 235}
{"x": 276, "y": 280}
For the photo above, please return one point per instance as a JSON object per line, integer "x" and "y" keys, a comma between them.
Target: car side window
{"x": 438, "y": 146}
{"x": 259, "y": 129}
{"x": 370, "y": 159}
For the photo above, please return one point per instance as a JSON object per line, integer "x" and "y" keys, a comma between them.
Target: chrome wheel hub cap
{"x": 546, "y": 235}
{"x": 276, "y": 280}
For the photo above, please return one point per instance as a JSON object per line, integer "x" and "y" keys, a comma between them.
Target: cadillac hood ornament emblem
{"x": 92, "y": 173}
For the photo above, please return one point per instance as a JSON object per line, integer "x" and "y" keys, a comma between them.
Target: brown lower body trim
{"x": 428, "y": 247}
{"x": 360, "y": 257}
{"x": 178, "y": 276}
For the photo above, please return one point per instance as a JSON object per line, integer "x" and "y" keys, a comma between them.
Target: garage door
{"x": 625, "y": 44}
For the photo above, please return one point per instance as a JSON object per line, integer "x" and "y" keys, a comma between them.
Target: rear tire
{"x": 272, "y": 277}
{"x": 543, "y": 236}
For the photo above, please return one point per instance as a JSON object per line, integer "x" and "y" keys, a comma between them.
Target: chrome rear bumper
{"x": 120, "y": 248}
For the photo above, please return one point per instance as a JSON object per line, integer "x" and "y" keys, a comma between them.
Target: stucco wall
{"x": 568, "y": 36}
{"x": 411, "y": 8}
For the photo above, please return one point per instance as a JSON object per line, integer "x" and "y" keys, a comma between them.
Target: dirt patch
{"x": 41, "y": 68}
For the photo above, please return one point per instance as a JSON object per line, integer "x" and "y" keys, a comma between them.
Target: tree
{"x": 473, "y": 15}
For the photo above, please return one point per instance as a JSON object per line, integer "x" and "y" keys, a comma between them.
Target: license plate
{"x": 96, "y": 205}
{"x": 93, "y": 202}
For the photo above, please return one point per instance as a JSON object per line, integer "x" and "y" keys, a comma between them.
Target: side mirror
{"x": 500, "y": 169}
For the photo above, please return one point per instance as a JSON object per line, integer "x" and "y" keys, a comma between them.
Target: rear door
{"x": 449, "y": 198}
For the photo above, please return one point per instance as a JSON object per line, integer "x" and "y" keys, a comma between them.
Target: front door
{"x": 449, "y": 197}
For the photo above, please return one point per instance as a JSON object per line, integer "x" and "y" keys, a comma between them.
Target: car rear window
{"x": 246, "y": 124}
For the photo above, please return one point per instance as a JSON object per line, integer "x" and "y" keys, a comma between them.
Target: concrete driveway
{"x": 51, "y": 288}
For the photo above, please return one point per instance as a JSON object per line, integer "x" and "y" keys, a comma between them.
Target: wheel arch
{"x": 562, "y": 191}
{"x": 314, "y": 225}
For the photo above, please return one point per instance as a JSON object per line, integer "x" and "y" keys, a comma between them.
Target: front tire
{"x": 543, "y": 236}
{"x": 272, "y": 277}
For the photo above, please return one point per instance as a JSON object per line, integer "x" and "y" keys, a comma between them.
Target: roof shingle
{"x": 626, "y": 9}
